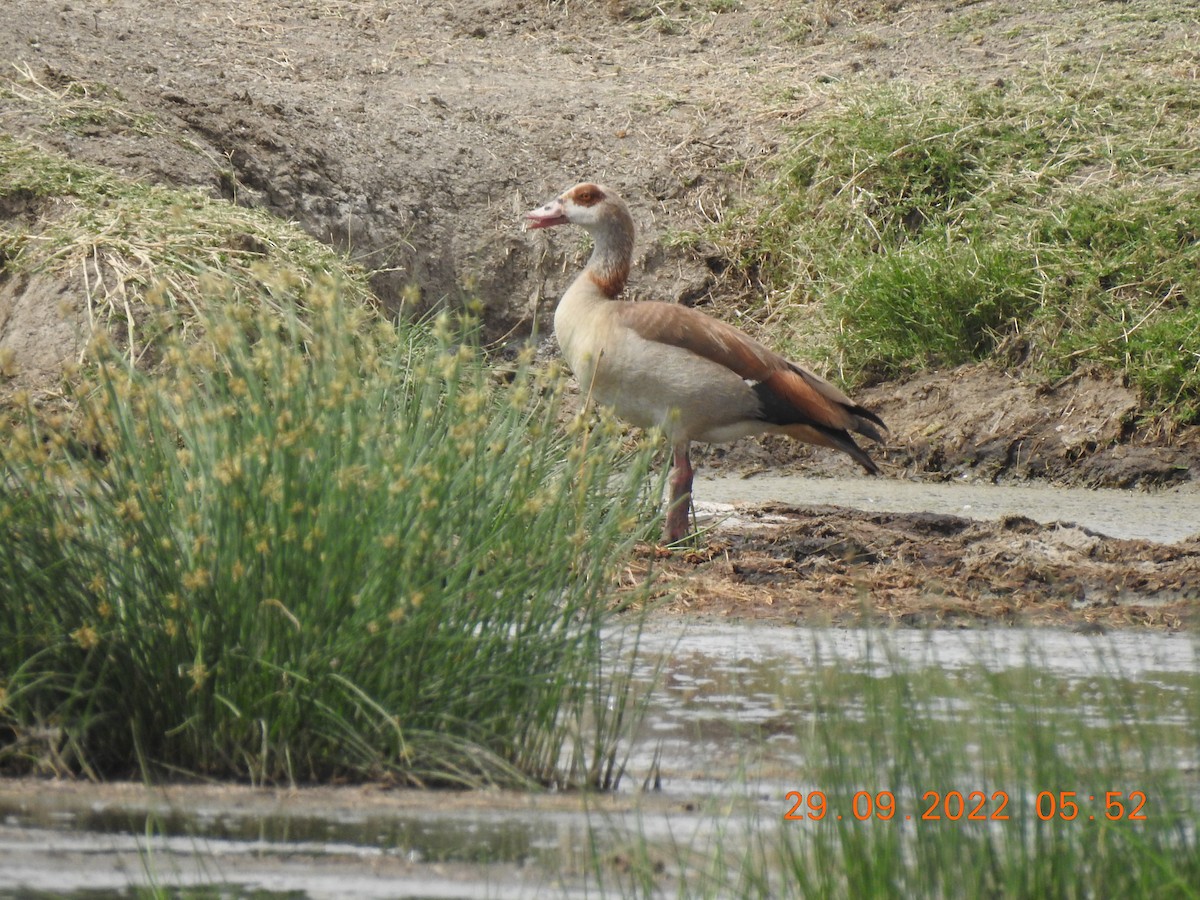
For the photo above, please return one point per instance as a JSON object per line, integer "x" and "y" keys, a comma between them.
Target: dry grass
{"x": 147, "y": 257}
{"x": 73, "y": 104}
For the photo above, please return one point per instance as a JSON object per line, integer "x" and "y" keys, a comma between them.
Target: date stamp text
{"x": 971, "y": 806}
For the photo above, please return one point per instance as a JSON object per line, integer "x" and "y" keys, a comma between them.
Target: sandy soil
{"x": 414, "y": 134}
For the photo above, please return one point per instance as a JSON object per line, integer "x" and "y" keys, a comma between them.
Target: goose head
{"x": 588, "y": 205}
{"x": 604, "y": 215}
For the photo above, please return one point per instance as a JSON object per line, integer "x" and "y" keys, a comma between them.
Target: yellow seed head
{"x": 198, "y": 673}
{"x": 85, "y": 637}
{"x": 196, "y": 579}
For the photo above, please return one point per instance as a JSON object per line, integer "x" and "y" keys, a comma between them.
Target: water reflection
{"x": 760, "y": 688}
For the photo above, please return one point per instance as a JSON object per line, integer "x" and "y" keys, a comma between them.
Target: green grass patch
{"x": 931, "y": 226}
{"x": 928, "y": 304}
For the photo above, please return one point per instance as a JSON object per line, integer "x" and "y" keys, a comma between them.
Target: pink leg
{"x": 678, "y": 513}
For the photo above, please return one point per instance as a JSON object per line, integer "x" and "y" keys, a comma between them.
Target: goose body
{"x": 672, "y": 367}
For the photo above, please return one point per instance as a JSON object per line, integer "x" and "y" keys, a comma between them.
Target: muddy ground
{"x": 845, "y": 567}
{"x": 414, "y": 134}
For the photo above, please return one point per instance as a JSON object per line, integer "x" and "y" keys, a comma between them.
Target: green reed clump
{"x": 313, "y": 545}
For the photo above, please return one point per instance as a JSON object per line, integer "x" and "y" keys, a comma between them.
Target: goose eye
{"x": 588, "y": 196}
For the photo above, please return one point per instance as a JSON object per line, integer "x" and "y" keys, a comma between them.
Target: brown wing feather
{"x": 852, "y": 416}
{"x": 791, "y": 395}
{"x": 682, "y": 326}
{"x": 794, "y": 398}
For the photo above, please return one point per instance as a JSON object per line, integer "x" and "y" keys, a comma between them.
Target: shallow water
{"x": 728, "y": 684}
{"x": 1165, "y": 516}
{"x": 726, "y": 724}
{"x": 77, "y": 862}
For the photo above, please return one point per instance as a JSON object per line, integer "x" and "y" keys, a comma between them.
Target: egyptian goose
{"x": 669, "y": 366}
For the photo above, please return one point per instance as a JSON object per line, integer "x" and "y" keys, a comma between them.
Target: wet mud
{"x": 904, "y": 564}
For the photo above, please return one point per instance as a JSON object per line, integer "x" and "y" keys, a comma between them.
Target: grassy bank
{"x": 136, "y": 259}
{"x": 1047, "y": 220}
{"x": 297, "y": 542}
